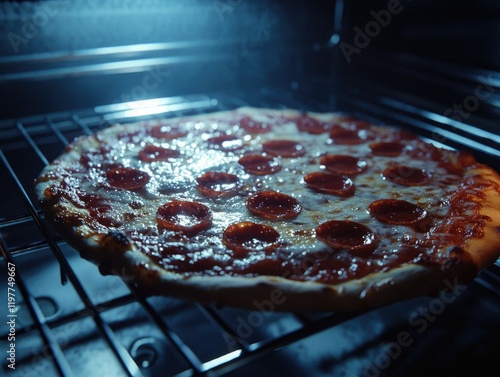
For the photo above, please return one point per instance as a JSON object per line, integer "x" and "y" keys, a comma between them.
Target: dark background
{"x": 52, "y": 56}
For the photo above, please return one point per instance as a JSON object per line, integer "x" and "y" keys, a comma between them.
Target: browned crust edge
{"x": 252, "y": 293}
{"x": 484, "y": 251}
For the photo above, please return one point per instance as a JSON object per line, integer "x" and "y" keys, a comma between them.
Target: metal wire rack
{"x": 72, "y": 321}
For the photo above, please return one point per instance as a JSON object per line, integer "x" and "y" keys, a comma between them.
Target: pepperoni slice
{"x": 343, "y": 136}
{"x": 247, "y": 236}
{"x": 184, "y": 217}
{"x": 260, "y": 165}
{"x": 253, "y": 126}
{"x": 398, "y": 212}
{"x": 387, "y": 148}
{"x": 273, "y": 205}
{"x": 342, "y": 164}
{"x": 283, "y": 148}
{"x": 312, "y": 125}
{"x": 357, "y": 238}
{"x": 217, "y": 184}
{"x": 225, "y": 143}
{"x": 127, "y": 178}
{"x": 169, "y": 131}
{"x": 407, "y": 176}
{"x": 152, "y": 153}
{"x": 334, "y": 184}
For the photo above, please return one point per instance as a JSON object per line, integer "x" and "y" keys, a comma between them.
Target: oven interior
{"x": 70, "y": 68}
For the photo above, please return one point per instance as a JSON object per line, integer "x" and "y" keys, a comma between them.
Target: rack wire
{"x": 137, "y": 335}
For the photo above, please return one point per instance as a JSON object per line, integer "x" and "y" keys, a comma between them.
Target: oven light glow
{"x": 150, "y": 107}
{"x": 221, "y": 360}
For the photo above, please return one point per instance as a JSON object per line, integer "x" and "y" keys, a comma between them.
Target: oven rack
{"x": 26, "y": 240}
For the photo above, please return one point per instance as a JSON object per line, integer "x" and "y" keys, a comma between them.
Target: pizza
{"x": 308, "y": 211}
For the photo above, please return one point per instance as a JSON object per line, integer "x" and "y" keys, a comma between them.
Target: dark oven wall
{"x": 61, "y": 55}
{"x": 438, "y": 60}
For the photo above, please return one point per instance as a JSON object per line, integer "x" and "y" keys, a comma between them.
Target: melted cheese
{"x": 175, "y": 180}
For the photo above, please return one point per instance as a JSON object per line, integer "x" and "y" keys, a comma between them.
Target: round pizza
{"x": 310, "y": 211}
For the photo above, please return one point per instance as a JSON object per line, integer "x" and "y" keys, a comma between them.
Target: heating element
{"x": 72, "y": 321}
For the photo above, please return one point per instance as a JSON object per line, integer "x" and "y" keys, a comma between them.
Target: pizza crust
{"x": 484, "y": 251}
{"x": 376, "y": 289}
{"x": 253, "y": 293}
